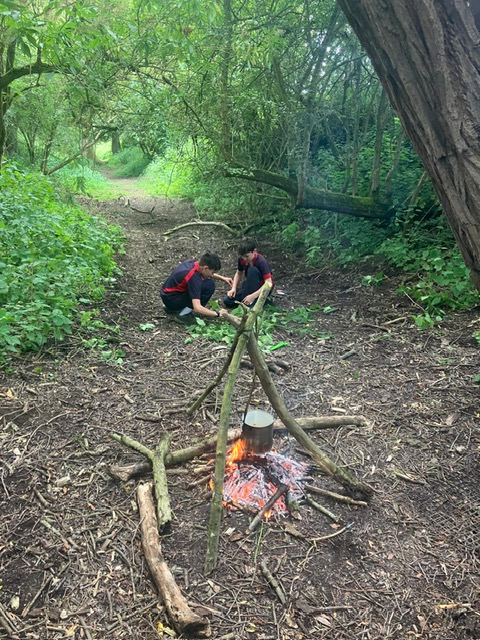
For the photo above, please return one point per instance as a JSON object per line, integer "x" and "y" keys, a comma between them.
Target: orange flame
{"x": 238, "y": 451}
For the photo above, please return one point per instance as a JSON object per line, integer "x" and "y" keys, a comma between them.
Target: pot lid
{"x": 258, "y": 419}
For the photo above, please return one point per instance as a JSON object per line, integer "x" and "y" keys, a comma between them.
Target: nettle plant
{"x": 441, "y": 282}
{"x": 298, "y": 322}
{"x": 53, "y": 257}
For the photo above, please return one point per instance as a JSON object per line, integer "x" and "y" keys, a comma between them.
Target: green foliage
{"x": 171, "y": 175}
{"x": 82, "y": 179}
{"x": 373, "y": 281}
{"x": 179, "y": 173}
{"x": 52, "y": 257}
{"x": 441, "y": 280}
{"x": 331, "y": 239}
{"x": 129, "y": 163}
{"x": 297, "y": 321}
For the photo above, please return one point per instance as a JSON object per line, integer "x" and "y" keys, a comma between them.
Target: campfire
{"x": 251, "y": 480}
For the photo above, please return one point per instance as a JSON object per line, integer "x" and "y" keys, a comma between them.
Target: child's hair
{"x": 246, "y": 246}
{"x": 210, "y": 260}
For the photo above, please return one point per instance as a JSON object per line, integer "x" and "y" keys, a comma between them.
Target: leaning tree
{"x": 427, "y": 56}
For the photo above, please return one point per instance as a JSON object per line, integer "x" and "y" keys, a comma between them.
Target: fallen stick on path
{"x": 283, "y": 488}
{"x": 186, "y": 622}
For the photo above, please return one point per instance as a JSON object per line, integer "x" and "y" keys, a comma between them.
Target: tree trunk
{"x": 427, "y": 57}
{"x": 116, "y": 146}
{"x": 315, "y": 198}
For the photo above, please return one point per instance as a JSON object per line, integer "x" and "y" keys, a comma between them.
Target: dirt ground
{"x": 406, "y": 566}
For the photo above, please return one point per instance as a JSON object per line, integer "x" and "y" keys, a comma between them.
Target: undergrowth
{"x": 298, "y": 322}
{"x": 52, "y": 258}
{"x": 82, "y": 179}
{"x": 129, "y": 163}
{"x": 436, "y": 278}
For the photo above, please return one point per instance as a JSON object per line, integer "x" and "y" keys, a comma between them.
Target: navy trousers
{"x": 252, "y": 282}
{"x": 177, "y": 301}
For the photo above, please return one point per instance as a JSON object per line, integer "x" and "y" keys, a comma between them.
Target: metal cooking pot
{"x": 257, "y": 431}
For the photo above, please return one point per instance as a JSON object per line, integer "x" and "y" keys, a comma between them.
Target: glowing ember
{"x": 251, "y": 480}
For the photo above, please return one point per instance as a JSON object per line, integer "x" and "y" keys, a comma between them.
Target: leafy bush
{"x": 129, "y": 163}
{"x": 177, "y": 174}
{"x": 82, "y": 179}
{"x": 441, "y": 280}
{"x": 51, "y": 257}
{"x": 326, "y": 238}
{"x": 171, "y": 175}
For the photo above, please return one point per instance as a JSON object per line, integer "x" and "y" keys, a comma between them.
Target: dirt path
{"x": 407, "y": 567}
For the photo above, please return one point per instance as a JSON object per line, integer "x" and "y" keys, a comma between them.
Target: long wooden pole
{"x": 220, "y": 459}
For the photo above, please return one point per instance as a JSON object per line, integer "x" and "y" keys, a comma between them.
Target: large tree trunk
{"x": 427, "y": 56}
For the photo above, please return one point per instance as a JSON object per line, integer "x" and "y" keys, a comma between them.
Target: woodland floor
{"x": 71, "y": 561}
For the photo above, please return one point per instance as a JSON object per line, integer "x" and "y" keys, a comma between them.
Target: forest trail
{"x": 406, "y": 567}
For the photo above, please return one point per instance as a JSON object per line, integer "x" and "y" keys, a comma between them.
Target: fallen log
{"x": 323, "y": 422}
{"x": 157, "y": 461}
{"x": 199, "y": 223}
{"x": 173, "y": 458}
{"x": 186, "y": 622}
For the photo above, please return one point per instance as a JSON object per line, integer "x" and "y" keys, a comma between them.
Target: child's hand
{"x": 231, "y": 293}
{"x": 249, "y": 299}
{"x": 229, "y": 281}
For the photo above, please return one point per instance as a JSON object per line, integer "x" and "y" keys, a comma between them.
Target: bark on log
{"x": 156, "y": 458}
{"x": 172, "y": 459}
{"x": 164, "y": 512}
{"x": 323, "y": 422}
{"x": 314, "y": 198}
{"x": 186, "y": 622}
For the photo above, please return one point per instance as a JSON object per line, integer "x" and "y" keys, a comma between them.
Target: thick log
{"x": 156, "y": 459}
{"x": 164, "y": 512}
{"x": 172, "y": 459}
{"x": 315, "y": 198}
{"x": 323, "y": 422}
{"x": 186, "y": 622}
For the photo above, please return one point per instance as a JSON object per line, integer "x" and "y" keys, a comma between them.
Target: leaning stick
{"x": 198, "y": 401}
{"x": 221, "y": 455}
{"x": 186, "y": 622}
{"x": 277, "y": 402}
{"x": 283, "y": 488}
